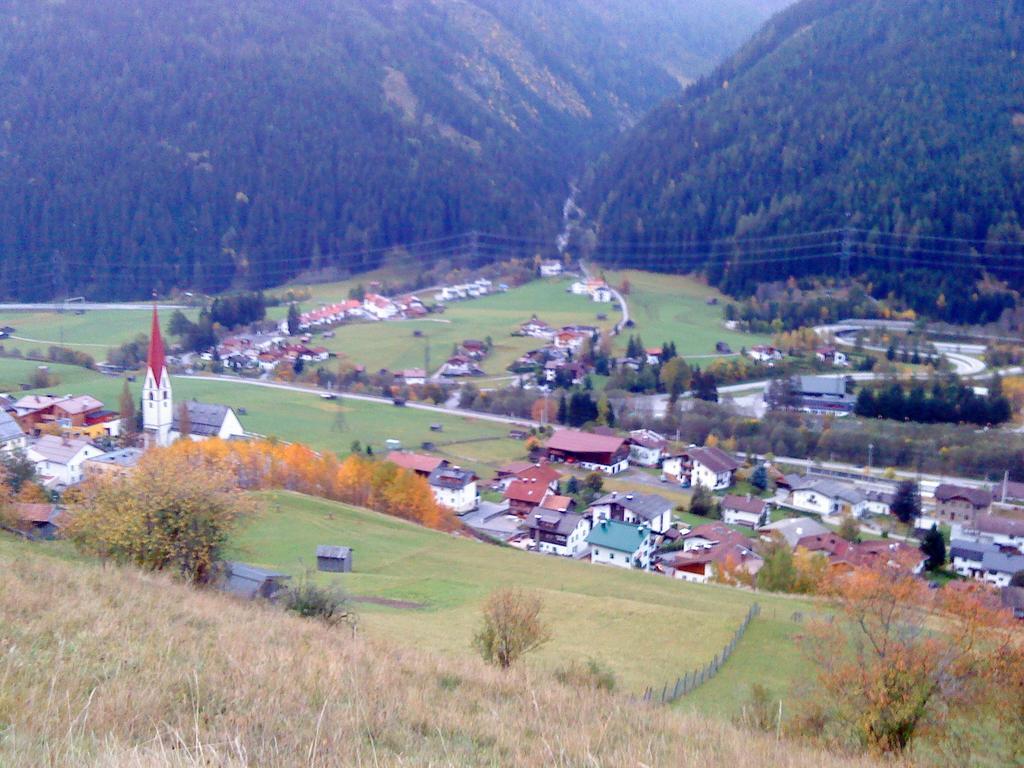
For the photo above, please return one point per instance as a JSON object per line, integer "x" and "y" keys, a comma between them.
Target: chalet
{"x": 1002, "y": 531}
{"x": 570, "y": 340}
{"x": 524, "y": 496}
{"x": 460, "y": 365}
{"x": 506, "y": 473}
{"x": 77, "y": 416}
{"x": 550, "y": 268}
{"x": 541, "y": 473}
{"x": 832, "y": 356}
{"x": 59, "y": 460}
{"x": 624, "y": 545}
{"x": 379, "y": 307}
{"x": 602, "y": 294}
{"x": 959, "y": 504}
{"x": 537, "y": 328}
{"x": 792, "y": 529}
{"x": 455, "y": 488}
{"x": 652, "y": 355}
{"x": 711, "y": 468}
{"x": 744, "y": 510}
{"x": 572, "y": 371}
{"x": 598, "y": 453}
{"x": 646, "y": 447}
{"x": 420, "y": 463}
{"x": 707, "y": 551}
{"x": 879, "y": 502}
{"x": 985, "y": 561}
{"x": 825, "y": 497}
{"x": 12, "y": 437}
{"x": 557, "y": 533}
{"x": 763, "y": 353}
{"x": 648, "y": 508}
{"x": 473, "y": 348}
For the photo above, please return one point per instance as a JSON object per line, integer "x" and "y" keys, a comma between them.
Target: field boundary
{"x": 696, "y": 678}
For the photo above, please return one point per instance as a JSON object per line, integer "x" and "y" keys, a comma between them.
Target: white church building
{"x": 161, "y": 421}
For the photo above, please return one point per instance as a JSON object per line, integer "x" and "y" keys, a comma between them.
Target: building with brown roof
{"x": 420, "y": 463}
{"x": 598, "y": 453}
{"x": 524, "y": 496}
{"x": 744, "y": 510}
{"x": 960, "y": 504}
{"x": 709, "y": 550}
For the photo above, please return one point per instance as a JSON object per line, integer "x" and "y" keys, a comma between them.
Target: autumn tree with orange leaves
{"x": 898, "y": 660}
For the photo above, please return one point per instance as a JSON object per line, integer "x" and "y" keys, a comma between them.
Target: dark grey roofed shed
{"x": 250, "y": 582}
{"x": 334, "y": 559}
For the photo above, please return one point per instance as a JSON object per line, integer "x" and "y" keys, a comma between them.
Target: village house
{"x": 74, "y": 415}
{"x": 844, "y": 555}
{"x": 878, "y": 502}
{"x": 570, "y": 340}
{"x": 412, "y": 376}
{"x": 1003, "y": 531}
{"x": 1009, "y": 491}
{"x": 707, "y": 550}
{"x": 711, "y": 468}
{"x": 58, "y": 460}
{"x": 599, "y": 453}
{"x": 557, "y": 533}
{"x": 744, "y": 510}
{"x": 12, "y": 437}
{"x": 648, "y": 508}
{"x": 602, "y": 294}
{"x": 119, "y": 462}
{"x": 792, "y": 529}
{"x": 420, "y": 463}
{"x": 825, "y": 497}
{"x": 524, "y": 496}
{"x": 646, "y": 447}
{"x": 379, "y": 307}
{"x": 959, "y": 504}
{"x": 832, "y": 356}
{"x": 537, "y": 328}
{"x": 571, "y": 371}
{"x": 460, "y": 365}
{"x": 506, "y": 473}
{"x": 550, "y": 268}
{"x": 985, "y": 561}
{"x": 624, "y": 545}
{"x": 455, "y": 488}
{"x": 554, "y": 502}
{"x": 207, "y": 420}
{"x": 764, "y": 353}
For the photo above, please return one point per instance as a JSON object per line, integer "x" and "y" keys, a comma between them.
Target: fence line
{"x": 692, "y": 679}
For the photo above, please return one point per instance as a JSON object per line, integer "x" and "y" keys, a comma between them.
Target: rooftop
{"x": 622, "y": 537}
{"x": 977, "y": 497}
{"x": 646, "y": 506}
{"x": 749, "y": 504}
{"x": 451, "y": 477}
{"x": 417, "y": 462}
{"x": 573, "y": 440}
{"x": 714, "y": 458}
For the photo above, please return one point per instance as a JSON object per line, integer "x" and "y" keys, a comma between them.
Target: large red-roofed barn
{"x": 599, "y": 453}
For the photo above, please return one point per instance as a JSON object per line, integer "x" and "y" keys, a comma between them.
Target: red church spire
{"x": 156, "y": 349}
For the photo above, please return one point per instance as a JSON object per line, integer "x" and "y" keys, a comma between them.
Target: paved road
{"x": 317, "y": 392}
{"x": 963, "y": 364}
{"x": 74, "y": 306}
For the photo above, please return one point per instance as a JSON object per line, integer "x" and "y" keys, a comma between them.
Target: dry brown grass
{"x": 109, "y": 667}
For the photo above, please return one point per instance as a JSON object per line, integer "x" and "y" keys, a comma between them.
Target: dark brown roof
{"x": 558, "y": 503}
{"x": 1000, "y": 525}
{"x": 977, "y": 497}
{"x": 33, "y": 513}
{"x": 714, "y": 459}
{"x": 417, "y": 462}
{"x": 572, "y": 440}
{"x": 744, "y": 504}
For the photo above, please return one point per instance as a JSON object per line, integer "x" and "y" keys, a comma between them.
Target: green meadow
{"x": 645, "y": 627}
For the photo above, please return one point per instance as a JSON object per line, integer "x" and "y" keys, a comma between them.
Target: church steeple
{"x": 156, "y": 349}
{"x": 157, "y": 400}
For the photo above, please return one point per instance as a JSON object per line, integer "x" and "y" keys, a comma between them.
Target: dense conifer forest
{"x": 892, "y": 129}
{"x": 148, "y": 144}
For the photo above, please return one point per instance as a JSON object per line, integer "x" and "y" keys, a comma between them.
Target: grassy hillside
{"x": 645, "y": 628}
{"x": 107, "y": 667}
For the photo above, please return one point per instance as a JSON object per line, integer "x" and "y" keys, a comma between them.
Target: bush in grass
{"x": 589, "y": 674}
{"x": 328, "y": 604}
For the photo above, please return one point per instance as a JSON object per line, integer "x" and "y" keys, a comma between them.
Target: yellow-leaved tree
{"x": 172, "y": 513}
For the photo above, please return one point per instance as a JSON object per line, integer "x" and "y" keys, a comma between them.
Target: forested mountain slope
{"x": 148, "y": 144}
{"x": 907, "y": 115}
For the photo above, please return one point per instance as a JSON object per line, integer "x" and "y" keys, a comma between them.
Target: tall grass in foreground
{"x": 110, "y": 667}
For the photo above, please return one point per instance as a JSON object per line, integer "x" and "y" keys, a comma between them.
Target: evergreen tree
{"x": 293, "y": 320}
{"x": 759, "y": 477}
{"x": 933, "y": 546}
{"x": 562, "y": 417}
{"x": 126, "y": 407}
{"x": 906, "y": 504}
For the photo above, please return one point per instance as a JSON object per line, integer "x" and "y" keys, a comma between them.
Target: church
{"x": 161, "y": 421}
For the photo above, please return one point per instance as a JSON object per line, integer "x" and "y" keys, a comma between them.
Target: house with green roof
{"x": 626, "y": 545}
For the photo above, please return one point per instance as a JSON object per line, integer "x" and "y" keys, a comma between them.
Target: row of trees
{"x": 943, "y": 403}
